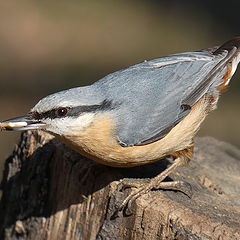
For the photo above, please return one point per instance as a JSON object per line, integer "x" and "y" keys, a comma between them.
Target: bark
{"x": 51, "y": 192}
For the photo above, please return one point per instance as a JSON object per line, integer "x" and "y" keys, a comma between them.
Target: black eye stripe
{"x": 49, "y": 114}
{"x": 75, "y": 111}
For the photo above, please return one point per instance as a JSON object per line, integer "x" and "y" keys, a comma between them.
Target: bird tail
{"x": 233, "y": 47}
{"x": 229, "y": 45}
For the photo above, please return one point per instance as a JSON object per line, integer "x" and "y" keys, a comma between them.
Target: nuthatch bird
{"x": 140, "y": 114}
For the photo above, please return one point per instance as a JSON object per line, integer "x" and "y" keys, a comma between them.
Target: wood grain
{"x": 51, "y": 192}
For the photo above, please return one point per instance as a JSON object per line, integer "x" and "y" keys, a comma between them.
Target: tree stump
{"x": 52, "y": 192}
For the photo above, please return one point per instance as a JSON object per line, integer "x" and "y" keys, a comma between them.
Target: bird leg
{"x": 181, "y": 159}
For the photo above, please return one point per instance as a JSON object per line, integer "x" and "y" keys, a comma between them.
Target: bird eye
{"x": 61, "y": 112}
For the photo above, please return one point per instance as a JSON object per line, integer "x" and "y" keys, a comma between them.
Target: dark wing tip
{"x": 229, "y": 45}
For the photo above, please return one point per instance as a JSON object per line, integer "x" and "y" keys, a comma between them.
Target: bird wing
{"x": 154, "y": 96}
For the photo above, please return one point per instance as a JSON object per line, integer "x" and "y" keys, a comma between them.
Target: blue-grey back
{"x": 151, "y": 97}
{"x": 155, "y": 95}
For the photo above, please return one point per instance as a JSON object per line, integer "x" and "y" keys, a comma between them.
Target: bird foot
{"x": 143, "y": 186}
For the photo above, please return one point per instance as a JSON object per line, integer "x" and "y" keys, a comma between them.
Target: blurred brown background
{"x": 47, "y": 46}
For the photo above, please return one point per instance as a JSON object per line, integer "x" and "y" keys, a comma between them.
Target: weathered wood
{"x": 51, "y": 192}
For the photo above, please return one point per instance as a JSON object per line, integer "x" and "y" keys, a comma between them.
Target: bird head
{"x": 63, "y": 113}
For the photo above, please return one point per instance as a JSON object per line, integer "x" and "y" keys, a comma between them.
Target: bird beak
{"x": 22, "y": 123}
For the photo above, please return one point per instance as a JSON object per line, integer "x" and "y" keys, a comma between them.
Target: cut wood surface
{"x": 52, "y": 192}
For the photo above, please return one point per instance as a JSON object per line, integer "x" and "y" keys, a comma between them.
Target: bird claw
{"x": 180, "y": 186}
{"x": 132, "y": 183}
{"x": 143, "y": 186}
{"x": 126, "y": 205}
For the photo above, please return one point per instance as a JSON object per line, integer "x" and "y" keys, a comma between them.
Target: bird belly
{"x": 98, "y": 143}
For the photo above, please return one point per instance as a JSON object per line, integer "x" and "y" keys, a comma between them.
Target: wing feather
{"x": 156, "y": 95}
